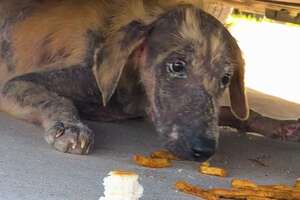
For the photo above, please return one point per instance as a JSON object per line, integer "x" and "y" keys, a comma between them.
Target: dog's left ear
{"x": 237, "y": 92}
{"x": 237, "y": 89}
{"x": 111, "y": 58}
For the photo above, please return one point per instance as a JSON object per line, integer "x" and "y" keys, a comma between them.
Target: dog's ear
{"x": 237, "y": 92}
{"x": 111, "y": 58}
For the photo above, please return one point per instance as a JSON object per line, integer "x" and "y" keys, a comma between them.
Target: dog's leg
{"x": 285, "y": 129}
{"x": 34, "y": 97}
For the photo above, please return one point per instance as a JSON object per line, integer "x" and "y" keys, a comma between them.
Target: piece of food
{"x": 297, "y": 184}
{"x": 274, "y": 190}
{"x": 258, "y": 198}
{"x": 122, "y": 185}
{"x": 246, "y": 184}
{"x": 242, "y": 184}
{"x": 163, "y": 154}
{"x": 194, "y": 190}
{"x": 151, "y": 162}
{"x": 215, "y": 171}
{"x": 276, "y": 187}
{"x": 244, "y": 190}
{"x": 245, "y": 193}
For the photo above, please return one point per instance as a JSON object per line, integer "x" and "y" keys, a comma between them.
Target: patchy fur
{"x": 110, "y": 59}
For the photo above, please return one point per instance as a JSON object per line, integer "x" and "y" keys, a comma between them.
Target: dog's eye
{"x": 177, "y": 69}
{"x": 226, "y": 79}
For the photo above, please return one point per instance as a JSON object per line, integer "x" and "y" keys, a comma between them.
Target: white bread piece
{"x": 122, "y": 185}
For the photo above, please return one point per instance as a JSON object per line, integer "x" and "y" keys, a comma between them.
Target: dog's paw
{"x": 70, "y": 138}
{"x": 289, "y": 131}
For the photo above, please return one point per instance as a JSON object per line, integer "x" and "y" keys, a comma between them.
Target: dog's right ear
{"x": 111, "y": 58}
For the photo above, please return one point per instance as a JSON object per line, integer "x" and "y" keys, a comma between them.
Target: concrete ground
{"x": 31, "y": 170}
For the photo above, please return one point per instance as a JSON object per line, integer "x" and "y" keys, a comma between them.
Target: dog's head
{"x": 186, "y": 59}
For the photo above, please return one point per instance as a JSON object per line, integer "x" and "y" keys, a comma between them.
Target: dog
{"x": 64, "y": 61}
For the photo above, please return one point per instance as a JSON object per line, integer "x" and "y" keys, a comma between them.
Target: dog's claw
{"x": 71, "y": 138}
{"x": 74, "y": 146}
{"x": 59, "y": 133}
{"x": 83, "y": 144}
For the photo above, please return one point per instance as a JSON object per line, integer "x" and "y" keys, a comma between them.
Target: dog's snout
{"x": 192, "y": 145}
{"x": 203, "y": 149}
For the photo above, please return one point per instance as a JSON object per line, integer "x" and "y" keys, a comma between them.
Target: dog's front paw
{"x": 70, "y": 138}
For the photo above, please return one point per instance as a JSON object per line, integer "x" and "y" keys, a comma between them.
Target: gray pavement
{"x": 31, "y": 170}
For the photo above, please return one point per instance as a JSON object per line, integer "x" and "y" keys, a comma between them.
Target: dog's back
{"x": 40, "y": 35}
{"x": 35, "y": 35}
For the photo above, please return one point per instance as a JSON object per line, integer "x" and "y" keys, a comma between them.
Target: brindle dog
{"x": 62, "y": 61}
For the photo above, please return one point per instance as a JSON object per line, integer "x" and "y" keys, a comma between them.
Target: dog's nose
{"x": 204, "y": 149}
{"x": 203, "y": 153}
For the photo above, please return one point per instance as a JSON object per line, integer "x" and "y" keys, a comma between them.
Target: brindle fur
{"x": 64, "y": 60}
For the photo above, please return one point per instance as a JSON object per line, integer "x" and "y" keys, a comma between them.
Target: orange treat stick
{"x": 242, "y": 184}
{"x": 151, "y": 162}
{"x": 196, "y": 191}
{"x": 245, "y": 193}
{"x": 215, "y": 171}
